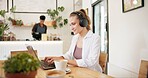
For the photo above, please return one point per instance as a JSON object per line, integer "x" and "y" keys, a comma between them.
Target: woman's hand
{"x": 50, "y": 60}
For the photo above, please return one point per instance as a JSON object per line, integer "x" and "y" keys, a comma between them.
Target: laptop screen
{"x": 44, "y": 65}
{"x": 32, "y": 51}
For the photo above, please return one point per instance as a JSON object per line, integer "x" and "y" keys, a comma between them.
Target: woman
{"x": 85, "y": 46}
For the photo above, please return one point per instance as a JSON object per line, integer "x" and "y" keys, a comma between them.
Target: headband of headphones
{"x": 83, "y": 21}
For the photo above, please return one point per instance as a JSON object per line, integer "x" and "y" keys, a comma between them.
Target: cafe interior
{"x": 121, "y": 24}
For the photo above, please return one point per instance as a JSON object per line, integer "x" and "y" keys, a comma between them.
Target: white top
{"x": 90, "y": 51}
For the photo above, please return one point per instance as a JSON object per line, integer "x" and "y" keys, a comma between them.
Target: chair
{"x": 13, "y": 53}
{"x": 143, "y": 72}
{"x": 103, "y": 61}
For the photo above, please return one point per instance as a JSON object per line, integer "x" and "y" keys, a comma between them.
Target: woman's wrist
{"x": 72, "y": 62}
{"x": 62, "y": 57}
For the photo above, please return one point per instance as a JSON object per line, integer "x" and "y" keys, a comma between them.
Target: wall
{"x": 29, "y": 18}
{"x": 78, "y": 5}
{"x": 87, "y": 4}
{"x": 127, "y": 38}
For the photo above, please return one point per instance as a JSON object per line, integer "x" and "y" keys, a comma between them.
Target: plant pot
{"x": 1, "y": 38}
{"x": 53, "y": 23}
{"x": 31, "y": 74}
{"x": 13, "y": 22}
{"x": 50, "y": 23}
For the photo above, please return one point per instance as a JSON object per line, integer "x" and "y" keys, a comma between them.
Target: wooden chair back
{"x": 13, "y": 53}
{"x": 143, "y": 72}
{"x": 103, "y": 61}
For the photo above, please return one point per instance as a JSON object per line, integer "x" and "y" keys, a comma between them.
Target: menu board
{"x": 33, "y": 6}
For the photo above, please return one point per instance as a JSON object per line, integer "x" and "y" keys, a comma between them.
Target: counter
{"x": 44, "y": 48}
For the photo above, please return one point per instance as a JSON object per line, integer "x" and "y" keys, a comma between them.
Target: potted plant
{"x": 3, "y": 25}
{"x": 57, "y": 20}
{"x": 22, "y": 65}
{"x": 14, "y": 21}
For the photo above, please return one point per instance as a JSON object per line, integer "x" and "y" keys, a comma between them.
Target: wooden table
{"x": 76, "y": 72}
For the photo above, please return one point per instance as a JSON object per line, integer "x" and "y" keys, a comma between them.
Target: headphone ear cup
{"x": 83, "y": 22}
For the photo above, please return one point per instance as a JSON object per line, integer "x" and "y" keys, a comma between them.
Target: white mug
{"x": 60, "y": 64}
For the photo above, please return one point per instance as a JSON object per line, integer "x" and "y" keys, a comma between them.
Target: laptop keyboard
{"x": 46, "y": 66}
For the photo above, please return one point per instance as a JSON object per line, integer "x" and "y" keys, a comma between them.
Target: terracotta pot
{"x": 13, "y": 22}
{"x": 21, "y": 75}
{"x": 53, "y": 23}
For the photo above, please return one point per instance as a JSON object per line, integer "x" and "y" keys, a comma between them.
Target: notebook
{"x": 43, "y": 64}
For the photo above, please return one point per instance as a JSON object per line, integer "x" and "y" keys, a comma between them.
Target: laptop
{"x": 43, "y": 64}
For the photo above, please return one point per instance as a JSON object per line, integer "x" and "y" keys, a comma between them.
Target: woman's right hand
{"x": 50, "y": 60}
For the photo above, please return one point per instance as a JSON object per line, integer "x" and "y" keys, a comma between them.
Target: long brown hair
{"x": 82, "y": 11}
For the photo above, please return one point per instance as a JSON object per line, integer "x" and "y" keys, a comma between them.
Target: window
{"x": 100, "y": 22}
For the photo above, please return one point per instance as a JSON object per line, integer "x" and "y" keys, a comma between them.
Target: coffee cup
{"x": 60, "y": 64}
{"x": 55, "y": 74}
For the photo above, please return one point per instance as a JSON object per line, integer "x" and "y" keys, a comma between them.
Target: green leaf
{"x": 1, "y": 32}
{"x": 61, "y": 24}
{"x": 61, "y": 9}
{"x": 55, "y": 15}
{"x": 65, "y": 21}
{"x": 20, "y": 63}
{"x": 54, "y": 26}
{"x": 13, "y": 9}
{"x": 59, "y": 18}
{"x": 2, "y": 13}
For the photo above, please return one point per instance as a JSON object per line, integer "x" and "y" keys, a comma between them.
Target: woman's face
{"x": 74, "y": 24}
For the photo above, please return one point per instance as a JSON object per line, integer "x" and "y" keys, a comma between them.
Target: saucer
{"x": 68, "y": 70}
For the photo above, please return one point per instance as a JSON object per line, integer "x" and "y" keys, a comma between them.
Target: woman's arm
{"x": 50, "y": 60}
{"x": 72, "y": 62}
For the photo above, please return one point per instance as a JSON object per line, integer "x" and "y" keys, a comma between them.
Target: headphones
{"x": 83, "y": 21}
